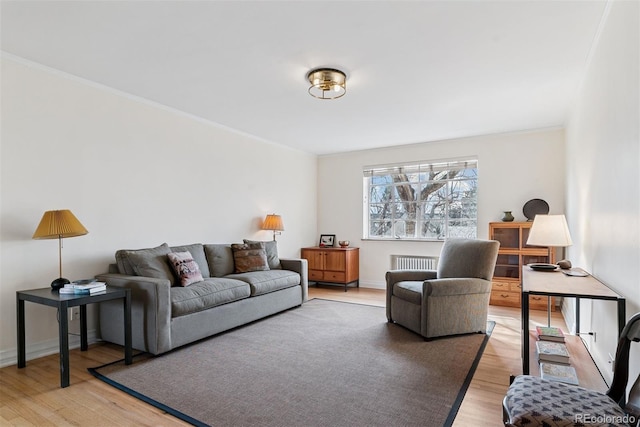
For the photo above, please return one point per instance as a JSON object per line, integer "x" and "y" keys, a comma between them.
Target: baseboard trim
{"x": 373, "y": 284}
{"x": 44, "y": 348}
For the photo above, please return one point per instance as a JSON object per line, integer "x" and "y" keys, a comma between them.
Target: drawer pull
{"x": 504, "y": 295}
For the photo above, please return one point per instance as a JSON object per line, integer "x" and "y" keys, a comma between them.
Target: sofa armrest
{"x": 150, "y": 312}
{"x": 455, "y": 286}
{"x": 300, "y": 266}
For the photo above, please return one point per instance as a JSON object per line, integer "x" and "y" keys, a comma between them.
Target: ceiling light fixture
{"x": 327, "y": 83}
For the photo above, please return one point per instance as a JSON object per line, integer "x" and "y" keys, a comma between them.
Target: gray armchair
{"x": 452, "y": 300}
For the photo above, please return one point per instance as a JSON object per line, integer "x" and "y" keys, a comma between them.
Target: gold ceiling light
{"x": 327, "y": 83}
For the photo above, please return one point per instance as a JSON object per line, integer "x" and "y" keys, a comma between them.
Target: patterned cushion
{"x": 185, "y": 267}
{"x": 197, "y": 251}
{"x": 249, "y": 257}
{"x": 271, "y": 248}
{"x": 532, "y": 401}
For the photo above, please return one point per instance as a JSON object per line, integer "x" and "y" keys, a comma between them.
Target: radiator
{"x": 413, "y": 262}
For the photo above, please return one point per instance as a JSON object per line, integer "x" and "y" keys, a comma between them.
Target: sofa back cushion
{"x": 468, "y": 258}
{"x": 197, "y": 251}
{"x": 219, "y": 259}
{"x": 149, "y": 262}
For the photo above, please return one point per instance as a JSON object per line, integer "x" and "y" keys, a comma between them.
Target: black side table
{"x": 46, "y": 296}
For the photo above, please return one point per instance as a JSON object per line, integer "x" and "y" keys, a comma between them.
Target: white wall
{"x": 136, "y": 175}
{"x": 603, "y": 177}
{"x": 512, "y": 168}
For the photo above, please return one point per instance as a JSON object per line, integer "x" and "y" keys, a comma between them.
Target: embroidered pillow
{"x": 249, "y": 257}
{"x": 271, "y": 249}
{"x": 185, "y": 267}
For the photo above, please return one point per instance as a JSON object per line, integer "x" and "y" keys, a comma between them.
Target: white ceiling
{"x": 417, "y": 71}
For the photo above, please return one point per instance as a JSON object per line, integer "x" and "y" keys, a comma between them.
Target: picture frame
{"x": 327, "y": 240}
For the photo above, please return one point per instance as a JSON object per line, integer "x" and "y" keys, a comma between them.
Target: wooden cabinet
{"x": 333, "y": 265}
{"x": 513, "y": 254}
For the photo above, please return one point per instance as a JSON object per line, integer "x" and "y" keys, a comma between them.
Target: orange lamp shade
{"x": 57, "y": 224}
{"x": 273, "y": 222}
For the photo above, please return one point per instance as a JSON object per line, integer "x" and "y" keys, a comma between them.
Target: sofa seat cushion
{"x": 263, "y": 282}
{"x": 206, "y": 294}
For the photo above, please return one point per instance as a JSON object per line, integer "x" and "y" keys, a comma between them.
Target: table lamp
{"x": 56, "y": 225}
{"x": 550, "y": 231}
{"x": 273, "y": 222}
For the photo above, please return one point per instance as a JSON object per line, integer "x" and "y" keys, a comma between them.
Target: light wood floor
{"x": 32, "y": 397}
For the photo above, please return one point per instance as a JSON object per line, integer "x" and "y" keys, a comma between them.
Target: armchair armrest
{"x": 300, "y": 266}
{"x": 395, "y": 276}
{"x": 150, "y": 312}
{"x": 455, "y": 286}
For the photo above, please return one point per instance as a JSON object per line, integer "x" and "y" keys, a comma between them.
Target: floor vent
{"x": 413, "y": 262}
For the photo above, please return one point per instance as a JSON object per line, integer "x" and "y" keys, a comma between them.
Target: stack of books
{"x": 554, "y": 352}
{"x": 550, "y": 333}
{"x": 92, "y": 288}
{"x": 563, "y": 373}
{"x": 553, "y": 356}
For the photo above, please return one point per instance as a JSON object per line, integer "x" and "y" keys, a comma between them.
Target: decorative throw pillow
{"x": 271, "y": 248}
{"x": 185, "y": 267}
{"x": 249, "y": 257}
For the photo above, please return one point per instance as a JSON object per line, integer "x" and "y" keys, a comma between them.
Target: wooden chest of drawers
{"x": 333, "y": 265}
{"x": 508, "y": 294}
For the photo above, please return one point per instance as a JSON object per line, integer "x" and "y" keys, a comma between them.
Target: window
{"x": 421, "y": 201}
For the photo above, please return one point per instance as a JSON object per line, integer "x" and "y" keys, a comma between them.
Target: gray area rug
{"x": 326, "y": 363}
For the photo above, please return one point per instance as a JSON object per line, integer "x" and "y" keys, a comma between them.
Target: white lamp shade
{"x": 549, "y": 230}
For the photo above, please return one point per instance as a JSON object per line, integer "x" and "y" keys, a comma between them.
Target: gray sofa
{"x": 166, "y": 315}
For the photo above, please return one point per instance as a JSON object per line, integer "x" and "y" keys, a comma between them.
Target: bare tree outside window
{"x": 424, "y": 201}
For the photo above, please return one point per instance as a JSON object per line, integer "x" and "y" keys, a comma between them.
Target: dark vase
{"x": 507, "y": 216}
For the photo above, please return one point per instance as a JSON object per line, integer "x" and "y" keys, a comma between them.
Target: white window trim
{"x": 410, "y": 167}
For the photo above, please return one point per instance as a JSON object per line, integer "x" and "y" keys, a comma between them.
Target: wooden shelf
{"x": 588, "y": 374}
{"x": 512, "y": 255}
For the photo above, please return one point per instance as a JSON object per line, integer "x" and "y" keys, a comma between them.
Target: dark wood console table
{"x": 556, "y": 283}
